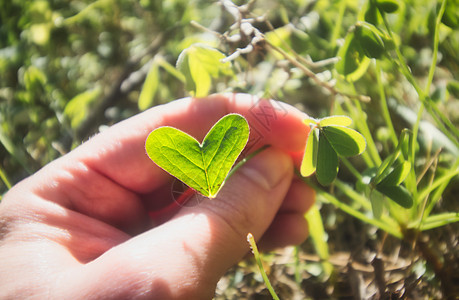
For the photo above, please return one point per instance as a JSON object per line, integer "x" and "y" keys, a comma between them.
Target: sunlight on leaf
{"x": 200, "y": 64}
{"x": 352, "y": 64}
{"x": 345, "y": 141}
{"x": 308, "y": 165}
{"x": 310, "y": 121}
{"x": 202, "y": 166}
{"x": 335, "y": 120}
{"x": 150, "y": 86}
{"x": 397, "y": 175}
{"x": 77, "y": 108}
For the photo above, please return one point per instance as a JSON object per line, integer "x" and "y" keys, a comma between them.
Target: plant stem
{"x": 246, "y": 159}
{"x": 439, "y": 118}
{"x": 338, "y": 24}
{"x": 254, "y": 247}
{"x": 351, "y": 168}
{"x": 5, "y": 179}
{"x": 360, "y": 120}
{"x": 389, "y": 228}
{"x": 383, "y": 101}
{"x": 312, "y": 75}
{"x": 435, "y": 47}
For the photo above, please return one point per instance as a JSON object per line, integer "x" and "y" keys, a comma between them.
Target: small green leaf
{"x": 310, "y": 120}
{"x": 352, "y": 64}
{"x": 451, "y": 15}
{"x": 385, "y": 168}
{"x": 200, "y": 64}
{"x": 397, "y": 175}
{"x": 150, "y": 86}
{"x": 345, "y": 141}
{"x": 377, "y": 203}
{"x": 398, "y": 193}
{"x": 327, "y": 161}
{"x": 308, "y": 165}
{"x": 335, "y": 120}
{"x": 369, "y": 39}
{"x": 202, "y": 166}
{"x": 388, "y": 6}
{"x": 77, "y": 108}
{"x": 372, "y": 15}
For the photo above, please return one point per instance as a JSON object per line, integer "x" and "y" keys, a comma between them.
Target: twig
{"x": 247, "y": 29}
{"x": 314, "y": 77}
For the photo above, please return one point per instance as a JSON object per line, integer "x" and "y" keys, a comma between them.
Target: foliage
{"x": 67, "y": 69}
{"x": 329, "y": 138}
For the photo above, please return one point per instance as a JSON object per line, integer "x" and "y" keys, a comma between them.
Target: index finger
{"x": 119, "y": 152}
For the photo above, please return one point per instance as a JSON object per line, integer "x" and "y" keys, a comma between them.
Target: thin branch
{"x": 314, "y": 77}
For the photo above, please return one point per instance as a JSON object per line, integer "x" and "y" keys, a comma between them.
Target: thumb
{"x": 185, "y": 257}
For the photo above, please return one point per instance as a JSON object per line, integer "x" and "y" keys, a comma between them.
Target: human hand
{"x": 80, "y": 227}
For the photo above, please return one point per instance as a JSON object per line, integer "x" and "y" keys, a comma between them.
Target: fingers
{"x": 289, "y": 227}
{"x": 110, "y": 177}
{"x": 185, "y": 257}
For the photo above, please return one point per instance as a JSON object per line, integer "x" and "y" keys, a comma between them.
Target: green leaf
{"x": 310, "y": 120}
{"x": 345, "y": 141}
{"x": 327, "y": 161}
{"x": 369, "y": 39}
{"x": 353, "y": 64}
{"x": 451, "y": 15}
{"x": 397, "y": 175}
{"x": 335, "y": 120}
{"x": 202, "y": 166}
{"x": 385, "y": 168}
{"x": 308, "y": 165}
{"x": 372, "y": 15}
{"x": 377, "y": 203}
{"x": 77, "y": 108}
{"x": 398, "y": 193}
{"x": 388, "y": 6}
{"x": 150, "y": 86}
{"x": 200, "y": 64}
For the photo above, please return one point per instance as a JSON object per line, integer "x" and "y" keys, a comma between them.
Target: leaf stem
{"x": 435, "y": 47}
{"x": 383, "y": 101}
{"x": 389, "y": 228}
{"x": 443, "y": 123}
{"x": 245, "y": 160}
{"x": 255, "y": 252}
{"x": 5, "y": 179}
{"x": 313, "y": 76}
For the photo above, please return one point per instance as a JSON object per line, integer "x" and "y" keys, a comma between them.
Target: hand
{"x": 80, "y": 227}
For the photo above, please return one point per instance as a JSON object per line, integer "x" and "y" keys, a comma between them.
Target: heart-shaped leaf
{"x": 202, "y": 166}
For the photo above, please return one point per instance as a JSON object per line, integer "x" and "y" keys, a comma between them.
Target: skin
{"x": 79, "y": 228}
